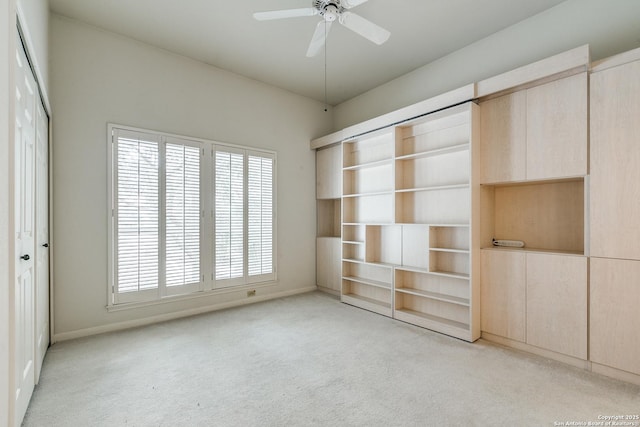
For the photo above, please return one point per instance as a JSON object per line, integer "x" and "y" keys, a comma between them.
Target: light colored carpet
{"x": 309, "y": 360}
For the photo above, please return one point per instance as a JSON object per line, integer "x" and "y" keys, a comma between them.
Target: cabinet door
{"x": 503, "y": 138}
{"x": 329, "y": 172}
{"x": 614, "y": 307}
{"x": 328, "y": 263}
{"x": 557, "y": 303}
{"x": 615, "y": 162}
{"x": 503, "y": 293}
{"x": 557, "y": 129}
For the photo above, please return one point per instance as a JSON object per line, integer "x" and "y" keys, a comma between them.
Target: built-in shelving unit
{"x": 407, "y": 197}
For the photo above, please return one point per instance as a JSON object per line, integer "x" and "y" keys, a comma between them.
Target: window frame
{"x": 208, "y": 284}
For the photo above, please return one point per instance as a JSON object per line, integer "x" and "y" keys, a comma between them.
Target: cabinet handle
{"x": 45, "y": 245}
{"x": 25, "y": 257}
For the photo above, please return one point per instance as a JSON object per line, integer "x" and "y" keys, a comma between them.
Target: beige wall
{"x": 99, "y": 77}
{"x": 609, "y": 27}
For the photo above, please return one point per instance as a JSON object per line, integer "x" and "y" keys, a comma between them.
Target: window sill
{"x": 111, "y": 308}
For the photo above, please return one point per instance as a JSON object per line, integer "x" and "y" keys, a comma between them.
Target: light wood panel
{"x": 548, "y": 216}
{"x": 503, "y": 141}
{"x": 574, "y": 59}
{"x": 503, "y": 293}
{"x": 614, "y": 308}
{"x": 615, "y": 162}
{"x": 557, "y": 303}
{"x": 328, "y": 263}
{"x": 557, "y": 128}
{"x": 329, "y": 173}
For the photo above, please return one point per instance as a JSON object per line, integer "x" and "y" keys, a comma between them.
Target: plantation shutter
{"x": 187, "y": 215}
{"x": 260, "y": 215}
{"x": 229, "y": 216}
{"x": 136, "y": 210}
{"x": 182, "y": 216}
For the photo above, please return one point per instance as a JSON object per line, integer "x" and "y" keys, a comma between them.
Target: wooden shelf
{"x": 369, "y": 164}
{"x": 533, "y": 250}
{"x": 456, "y": 251}
{"x": 450, "y": 274}
{"x": 366, "y": 303}
{"x": 435, "y": 296}
{"x": 434, "y": 322}
{"x": 383, "y": 285}
{"x": 439, "y": 187}
{"x": 436, "y": 152}
{"x": 373, "y": 193}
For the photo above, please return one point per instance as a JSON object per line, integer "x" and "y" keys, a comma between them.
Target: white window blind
{"x": 137, "y": 207}
{"x": 188, "y": 216}
{"x": 260, "y": 206}
{"x": 182, "y": 201}
{"x": 229, "y": 215}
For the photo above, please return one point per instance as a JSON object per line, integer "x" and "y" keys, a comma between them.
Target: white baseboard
{"x": 112, "y": 327}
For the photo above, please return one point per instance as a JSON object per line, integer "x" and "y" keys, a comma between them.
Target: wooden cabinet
{"x": 537, "y": 299}
{"x": 503, "y": 138}
{"x": 329, "y": 172}
{"x": 615, "y": 162}
{"x": 557, "y": 303}
{"x": 328, "y": 264}
{"x": 503, "y": 285}
{"x": 557, "y": 128}
{"x": 614, "y": 308}
{"x": 536, "y": 134}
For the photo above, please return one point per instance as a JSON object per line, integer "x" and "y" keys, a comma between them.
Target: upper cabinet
{"x": 503, "y": 138}
{"x": 329, "y": 172}
{"x": 615, "y": 162}
{"x": 537, "y": 133}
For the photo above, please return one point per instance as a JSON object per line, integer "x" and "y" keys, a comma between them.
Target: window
{"x": 187, "y": 216}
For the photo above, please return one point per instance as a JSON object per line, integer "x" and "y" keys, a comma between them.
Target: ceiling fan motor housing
{"x": 330, "y": 10}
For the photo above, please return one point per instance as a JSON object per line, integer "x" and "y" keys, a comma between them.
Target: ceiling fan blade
{"x": 348, "y": 4}
{"x": 288, "y": 13}
{"x": 364, "y": 27}
{"x": 319, "y": 38}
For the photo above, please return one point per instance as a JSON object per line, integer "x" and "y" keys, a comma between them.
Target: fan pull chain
{"x": 325, "y": 66}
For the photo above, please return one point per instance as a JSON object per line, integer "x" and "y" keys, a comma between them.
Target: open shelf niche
{"x": 548, "y": 216}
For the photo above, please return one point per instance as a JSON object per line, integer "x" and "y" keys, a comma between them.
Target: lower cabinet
{"x": 503, "y": 291}
{"x": 536, "y": 298}
{"x": 557, "y": 303}
{"x": 328, "y": 263}
{"x": 615, "y": 308}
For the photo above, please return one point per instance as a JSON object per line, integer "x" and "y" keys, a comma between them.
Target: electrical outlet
{"x": 251, "y": 293}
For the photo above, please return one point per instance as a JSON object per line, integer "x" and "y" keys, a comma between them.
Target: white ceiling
{"x": 224, "y": 34}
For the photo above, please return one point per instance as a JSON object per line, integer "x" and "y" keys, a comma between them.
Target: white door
{"x": 25, "y": 144}
{"x": 42, "y": 236}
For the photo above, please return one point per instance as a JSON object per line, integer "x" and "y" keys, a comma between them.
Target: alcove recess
{"x": 329, "y": 217}
{"x": 548, "y": 216}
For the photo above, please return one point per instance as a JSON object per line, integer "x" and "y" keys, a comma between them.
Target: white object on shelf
{"x": 508, "y": 243}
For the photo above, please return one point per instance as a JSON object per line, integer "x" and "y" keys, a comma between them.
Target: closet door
{"x": 42, "y": 237}
{"x": 24, "y": 184}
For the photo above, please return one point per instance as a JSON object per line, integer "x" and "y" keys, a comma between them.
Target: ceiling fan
{"x": 331, "y": 10}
